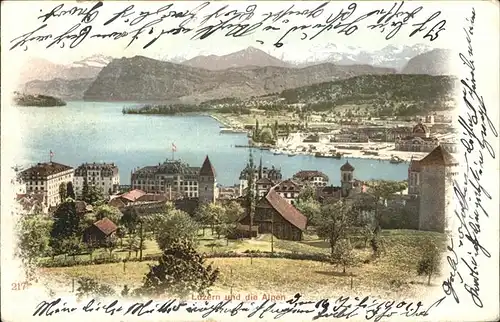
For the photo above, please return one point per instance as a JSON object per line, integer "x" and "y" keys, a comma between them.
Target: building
{"x": 274, "y": 215}
{"x": 288, "y": 190}
{"x": 207, "y": 183}
{"x": 103, "y": 176}
{"x": 261, "y": 172}
{"x": 346, "y": 178}
{"x": 414, "y": 170}
{"x": 45, "y": 179}
{"x": 398, "y": 132}
{"x": 169, "y": 176}
{"x": 100, "y": 232}
{"x": 438, "y": 169}
{"x": 263, "y": 185}
{"x": 311, "y": 177}
{"x": 419, "y": 141}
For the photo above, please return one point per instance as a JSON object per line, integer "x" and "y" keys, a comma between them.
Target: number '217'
{"x": 19, "y": 286}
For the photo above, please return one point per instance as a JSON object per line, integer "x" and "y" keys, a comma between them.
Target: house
{"x": 419, "y": 141}
{"x": 45, "y": 179}
{"x": 312, "y": 177}
{"x": 324, "y": 194}
{"x": 82, "y": 207}
{"x": 126, "y": 198}
{"x": 100, "y": 232}
{"x": 274, "y": 215}
{"x": 103, "y": 176}
{"x": 263, "y": 185}
{"x": 288, "y": 189}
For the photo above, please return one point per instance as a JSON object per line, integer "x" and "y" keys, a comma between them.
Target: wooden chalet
{"x": 100, "y": 232}
{"x": 273, "y": 214}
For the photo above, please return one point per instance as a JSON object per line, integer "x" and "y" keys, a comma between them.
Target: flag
{"x": 51, "y": 154}
{"x": 174, "y": 148}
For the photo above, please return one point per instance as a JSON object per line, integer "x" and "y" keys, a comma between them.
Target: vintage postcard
{"x": 222, "y": 161}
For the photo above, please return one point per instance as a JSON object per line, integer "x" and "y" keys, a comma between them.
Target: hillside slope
{"x": 144, "y": 79}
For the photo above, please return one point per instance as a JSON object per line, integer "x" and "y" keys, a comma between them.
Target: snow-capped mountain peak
{"x": 96, "y": 60}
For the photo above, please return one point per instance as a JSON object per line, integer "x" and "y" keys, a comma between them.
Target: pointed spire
{"x": 207, "y": 169}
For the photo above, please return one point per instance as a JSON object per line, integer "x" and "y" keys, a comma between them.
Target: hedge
{"x": 151, "y": 257}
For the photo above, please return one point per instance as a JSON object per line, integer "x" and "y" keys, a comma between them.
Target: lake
{"x": 99, "y": 132}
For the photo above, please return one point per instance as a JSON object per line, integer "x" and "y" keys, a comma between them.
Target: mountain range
{"x": 140, "y": 78}
{"x": 246, "y": 72}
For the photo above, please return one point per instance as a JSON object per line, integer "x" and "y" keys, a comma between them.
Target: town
{"x": 262, "y": 209}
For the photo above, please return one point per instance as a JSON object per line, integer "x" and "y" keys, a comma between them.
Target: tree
{"x": 251, "y": 196}
{"x": 121, "y": 231}
{"x": 85, "y": 188}
{"x": 429, "y": 263}
{"x": 266, "y": 135}
{"x": 179, "y": 272}
{"x": 70, "y": 191}
{"x": 334, "y": 222}
{"x": 73, "y": 245}
{"x": 343, "y": 254}
{"x": 307, "y": 193}
{"x": 130, "y": 219}
{"x": 229, "y": 220}
{"x": 90, "y": 287}
{"x": 309, "y": 208}
{"x": 67, "y": 224}
{"x": 33, "y": 240}
{"x": 62, "y": 191}
{"x": 133, "y": 245}
{"x": 382, "y": 190}
{"x": 173, "y": 226}
{"x": 110, "y": 245}
{"x": 112, "y": 213}
{"x": 94, "y": 196}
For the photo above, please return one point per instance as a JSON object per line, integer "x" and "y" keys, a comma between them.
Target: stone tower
{"x": 436, "y": 190}
{"x": 346, "y": 178}
{"x": 207, "y": 183}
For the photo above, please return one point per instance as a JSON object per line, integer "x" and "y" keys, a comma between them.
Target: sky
{"x": 169, "y": 46}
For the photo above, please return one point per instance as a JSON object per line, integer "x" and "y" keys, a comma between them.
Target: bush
{"x": 90, "y": 287}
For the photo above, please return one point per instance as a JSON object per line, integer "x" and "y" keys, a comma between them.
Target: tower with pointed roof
{"x": 207, "y": 183}
{"x": 346, "y": 178}
{"x": 438, "y": 169}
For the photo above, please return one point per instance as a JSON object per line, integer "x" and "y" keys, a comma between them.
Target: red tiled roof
{"x": 133, "y": 195}
{"x": 45, "y": 169}
{"x": 106, "y": 226}
{"x": 438, "y": 156}
{"x": 347, "y": 167}
{"x": 309, "y": 174}
{"x": 286, "y": 210}
{"x": 207, "y": 169}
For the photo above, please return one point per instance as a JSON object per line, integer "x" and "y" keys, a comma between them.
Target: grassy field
{"x": 394, "y": 273}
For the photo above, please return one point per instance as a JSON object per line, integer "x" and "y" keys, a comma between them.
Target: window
{"x": 206, "y": 188}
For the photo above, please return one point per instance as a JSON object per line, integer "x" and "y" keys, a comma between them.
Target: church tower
{"x": 207, "y": 183}
{"x": 346, "y": 178}
{"x": 438, "y": 169}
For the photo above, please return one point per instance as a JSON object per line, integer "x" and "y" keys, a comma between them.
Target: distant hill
{"x": 22, "y": 99}
{"x": 66, "y": 89}
{"x": 434, "y": 62}
{"x": 243, "y": 58}
{"x": 379, "y": 91}
{"x": 144, "y": 79}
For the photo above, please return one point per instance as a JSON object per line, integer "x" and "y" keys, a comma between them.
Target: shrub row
{"x": 68, "y": 262}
